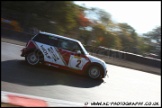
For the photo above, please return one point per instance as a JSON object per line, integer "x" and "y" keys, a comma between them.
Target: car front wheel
{"x": 94, "y": 72}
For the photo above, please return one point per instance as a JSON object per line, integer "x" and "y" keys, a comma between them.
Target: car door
{"x": 48, "y": 46}
{"x": 68, "y": 50}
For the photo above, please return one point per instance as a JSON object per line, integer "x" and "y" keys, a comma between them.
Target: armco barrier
{"x": 128, "y": 64}
{"x": 143, "y": 60}
{"x": 153, "y": 62}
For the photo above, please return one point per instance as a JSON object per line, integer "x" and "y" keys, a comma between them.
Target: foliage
{"x": 154, "y": 40}
{"x": 85, "y": 24}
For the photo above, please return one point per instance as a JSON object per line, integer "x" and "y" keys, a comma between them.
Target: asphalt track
{"x": 122, "y": 85}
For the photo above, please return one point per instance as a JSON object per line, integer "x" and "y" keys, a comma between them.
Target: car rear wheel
{"x": 94, "y": 72}
{"x": 32, "y": 58}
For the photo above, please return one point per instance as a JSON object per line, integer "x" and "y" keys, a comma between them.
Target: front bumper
{"x": 105, "y": 72}
{"x": 105, "y": 69}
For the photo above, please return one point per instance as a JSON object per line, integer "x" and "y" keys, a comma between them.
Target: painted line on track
{"x": 35, "y": 101}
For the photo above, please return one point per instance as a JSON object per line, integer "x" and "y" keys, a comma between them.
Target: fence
{"x": 125, "y": 56}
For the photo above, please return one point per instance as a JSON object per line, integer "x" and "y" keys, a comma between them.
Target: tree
{"x": 40, "y": 14}
{"x": 143, "y": 45}
{"x": 154, "y": 35}
{"x": 154, "y": 38}
{"x": 128, "y": 37}
{"x": 100, "y": 16}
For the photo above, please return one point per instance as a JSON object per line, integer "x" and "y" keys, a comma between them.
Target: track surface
{"x": 122, "y": 85}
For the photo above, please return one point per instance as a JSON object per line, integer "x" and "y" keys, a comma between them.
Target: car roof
{"x": 58, "y": 36}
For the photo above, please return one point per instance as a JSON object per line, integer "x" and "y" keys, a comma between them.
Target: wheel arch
{"x": 29, "y": 50}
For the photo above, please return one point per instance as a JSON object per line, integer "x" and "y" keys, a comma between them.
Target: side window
{"x": 75, "y": 47}
{"x": 69, "y": 45}
{"x": 46, "y": 39}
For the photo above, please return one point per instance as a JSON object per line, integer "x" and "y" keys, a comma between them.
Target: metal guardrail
{"x": 125, "y": 56}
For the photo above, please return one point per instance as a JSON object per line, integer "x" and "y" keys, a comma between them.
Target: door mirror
{"x": 78, "y": 52}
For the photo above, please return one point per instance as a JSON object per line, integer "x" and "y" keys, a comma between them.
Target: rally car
{"x": 62, "y": 52}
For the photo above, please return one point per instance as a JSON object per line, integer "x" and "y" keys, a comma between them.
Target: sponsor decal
{"x": 54, "y": 56}
{"x": 45, "y": 52}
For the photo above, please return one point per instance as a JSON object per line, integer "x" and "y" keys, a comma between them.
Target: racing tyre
{"x": 94, "y": 72}
{"x": 32, "y": 58}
